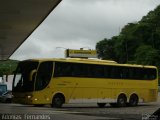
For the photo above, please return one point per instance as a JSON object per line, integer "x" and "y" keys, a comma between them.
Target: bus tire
{"x": 58, "y": 101}
{"x": 133, "y": 100}
{"x": 101, "y": 105}
{"x": 121, "y": 100}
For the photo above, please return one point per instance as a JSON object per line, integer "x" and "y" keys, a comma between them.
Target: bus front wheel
{"x": 58, "y": 101}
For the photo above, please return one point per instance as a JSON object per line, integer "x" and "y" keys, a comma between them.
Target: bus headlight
{"x": 29, "y": 96}
{"x": 35, "y": 99}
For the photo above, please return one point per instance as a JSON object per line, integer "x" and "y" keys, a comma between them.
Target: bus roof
{"x": 91, "y": 61}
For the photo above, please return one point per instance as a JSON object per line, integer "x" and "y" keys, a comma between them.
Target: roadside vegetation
{"x": 7, "y": 67}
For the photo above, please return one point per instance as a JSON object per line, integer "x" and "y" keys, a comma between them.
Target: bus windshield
{"x": 21, "y": 80}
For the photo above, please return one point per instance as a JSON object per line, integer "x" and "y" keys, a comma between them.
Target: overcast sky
{"x": 81, "y": 23}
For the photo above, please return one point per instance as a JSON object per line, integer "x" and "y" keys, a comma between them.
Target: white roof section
{"x": 18, "y": 19}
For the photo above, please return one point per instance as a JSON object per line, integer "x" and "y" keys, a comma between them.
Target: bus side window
{"x": 115, "y": 72}
{"x": 67, "y": 70}
{"x": 131, "y": 73}
{"x": 89, "y": 70}
{"x": 142, "y": 74}
{"x": 60, "y": 70}
{"x": 57, "y": 70}
{"x": 112, "y": 73}
{"x": 145, "y": 74}
{"x": 44, "y": 75}
{"x": 152, "y": 74}
{"x": 107, "y": 72}
{"x": 125, "y": 73}
{"x": 99, "y": 71}
{"x": 78, "y": 70}
{"x": 136, "y": 73}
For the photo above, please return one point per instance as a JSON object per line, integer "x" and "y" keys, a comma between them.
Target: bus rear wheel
{"x": 121, "y": 101}
{"x": 101, "y": 105}
{"x": 57, "y": 101}
{"x": 133, "y": 101}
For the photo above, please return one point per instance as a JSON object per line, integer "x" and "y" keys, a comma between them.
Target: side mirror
{"x": 32, "y": 75}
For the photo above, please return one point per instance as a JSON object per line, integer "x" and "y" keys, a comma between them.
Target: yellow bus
{"x": 71, "y": 80}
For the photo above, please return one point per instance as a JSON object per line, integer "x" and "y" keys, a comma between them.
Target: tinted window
{"x": 103, "y": 71}
{"x": 44, "y": 75}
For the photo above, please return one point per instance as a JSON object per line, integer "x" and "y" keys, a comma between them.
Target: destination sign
{"x": 81, "y": 53}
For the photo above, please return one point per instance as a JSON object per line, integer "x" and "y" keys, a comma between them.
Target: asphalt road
{"x": 28, "y": 112}
{"x": 75, "y": 112}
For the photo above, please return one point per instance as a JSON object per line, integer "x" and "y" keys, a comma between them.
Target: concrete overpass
{"x": 18, "y": 19}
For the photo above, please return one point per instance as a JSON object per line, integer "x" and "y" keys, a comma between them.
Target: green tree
{"x": 105, "y": 49}
{"x": 135, "y": 40}
{"x": 147, "y": 55}
{"x": 7, "y": 67}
